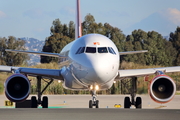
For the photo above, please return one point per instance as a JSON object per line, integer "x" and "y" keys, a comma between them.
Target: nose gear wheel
{"x": 94, "y": 101}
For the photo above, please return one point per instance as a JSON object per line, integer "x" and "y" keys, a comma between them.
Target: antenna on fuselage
{"x": 78, "y": 29}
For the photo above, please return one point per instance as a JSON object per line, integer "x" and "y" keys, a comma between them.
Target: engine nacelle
{"x": 17, "y": 87}
{"x": 162, "y": 89}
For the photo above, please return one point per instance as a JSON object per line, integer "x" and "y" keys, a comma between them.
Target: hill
{"x": 33, "y": 44}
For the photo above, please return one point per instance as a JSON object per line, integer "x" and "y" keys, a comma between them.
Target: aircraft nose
{"x": 99, "y": 70}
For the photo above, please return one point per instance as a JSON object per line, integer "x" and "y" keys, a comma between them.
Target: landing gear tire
{"x": 90, "y": 104}
{"x": 132, "y": 90}
{"x": 97, "y": 103}
{"x": 45, "y": 102}
{"x": 127, "y": 102}
{"x": 138, "y": 102}
{"x": 34, "y": 103}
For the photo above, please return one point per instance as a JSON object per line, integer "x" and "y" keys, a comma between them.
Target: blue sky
{"x": 33, "y": 18}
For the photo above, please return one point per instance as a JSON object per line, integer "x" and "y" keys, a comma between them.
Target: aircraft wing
{"x": 144, "y": 72}
{"x": 39, "y": 53}
{"x": 48, "y": 73}
{"x": 132, "y": 52}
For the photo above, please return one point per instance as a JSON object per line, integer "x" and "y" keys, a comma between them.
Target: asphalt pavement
{"x": 75, "y": 107}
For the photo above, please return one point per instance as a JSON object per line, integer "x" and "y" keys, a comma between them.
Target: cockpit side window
{"x": 102, "y": 50}
{"x": 80, "y": 50}
{"x": 90, "y": 50}
{"x": 111, "y": 50}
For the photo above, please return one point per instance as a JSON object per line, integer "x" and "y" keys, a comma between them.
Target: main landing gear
{"x": 138, "y": 102}
{"x": 93, "y": 102}
{"x": 37, "y": 101}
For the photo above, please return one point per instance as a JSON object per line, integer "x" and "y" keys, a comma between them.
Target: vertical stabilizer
{"x": 78, "y": 29}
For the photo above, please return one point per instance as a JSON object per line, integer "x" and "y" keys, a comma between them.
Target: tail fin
{"x": 78, "y": 29}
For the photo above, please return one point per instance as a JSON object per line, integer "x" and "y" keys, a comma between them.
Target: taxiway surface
{"x": 75, "y": 107}
{"x": 88, "y": 114}
{"x": 106, "y": 101}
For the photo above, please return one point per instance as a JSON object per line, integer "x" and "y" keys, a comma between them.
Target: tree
{"x": 158, "y": 48}
{"x": 128, "y": 47}
{"x": 61, "y": 35}
{"x": 57, "y": 27}
{"x": 10, "y": 58}
{"x": 65, "y": 30}
{"x": 175, "y": 40}
{"x": 88, "y": 24}
{"x": 71, "y": 30}
{"x": 171, "y": 53}
{"x": 2, "y": 53}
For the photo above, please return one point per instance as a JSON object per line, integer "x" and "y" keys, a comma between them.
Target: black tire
{"x": 138, "y": 102}
{"x": 45, "y": 102}
{"x": 90, "y": 104}
{"x": 34, "y": 102}
{"x": 127, "y": 102}
{"x": 97, "y": 103}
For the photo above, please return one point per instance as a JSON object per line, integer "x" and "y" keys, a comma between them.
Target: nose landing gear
{"x": 94, "y": 101}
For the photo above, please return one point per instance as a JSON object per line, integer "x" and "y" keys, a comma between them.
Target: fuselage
{"x": 94, "y": 60}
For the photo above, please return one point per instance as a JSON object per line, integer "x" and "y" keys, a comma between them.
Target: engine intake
{"x": 162, "y": 89}
{"x": 17, "y": 88}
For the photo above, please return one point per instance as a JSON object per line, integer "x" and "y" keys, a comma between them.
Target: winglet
{"x": 78, "y": 30}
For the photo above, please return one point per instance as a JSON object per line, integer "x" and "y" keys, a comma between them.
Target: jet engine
{"x": 162, "y": 89}
{"x": 17, "y": 87}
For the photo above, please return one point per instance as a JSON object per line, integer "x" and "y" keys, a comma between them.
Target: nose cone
{"x": 100, "y": 70}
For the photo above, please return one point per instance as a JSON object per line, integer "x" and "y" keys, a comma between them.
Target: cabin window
{"x": 90, "y": 50}
{"x": 102, "y": 50}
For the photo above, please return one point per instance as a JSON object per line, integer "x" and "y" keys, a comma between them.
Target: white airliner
{"x": 91, "y": 62}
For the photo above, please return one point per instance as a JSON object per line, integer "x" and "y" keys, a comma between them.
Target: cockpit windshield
{"x": 102, "y": 50}
{"x": 90, "y": 50}
{"x": 96, "y": 50}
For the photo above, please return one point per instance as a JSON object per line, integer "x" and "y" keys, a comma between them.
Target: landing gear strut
{"x": 44, "y": 102}
{"x": 93, "y": 102}
{"x": 138, "y": 102}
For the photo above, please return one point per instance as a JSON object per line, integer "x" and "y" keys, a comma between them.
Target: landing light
{"x": 59, "y": 81}
{"x": 114, "y": 81}
{"x": 91, "y": 87}
{"x": 97, "y": 87}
